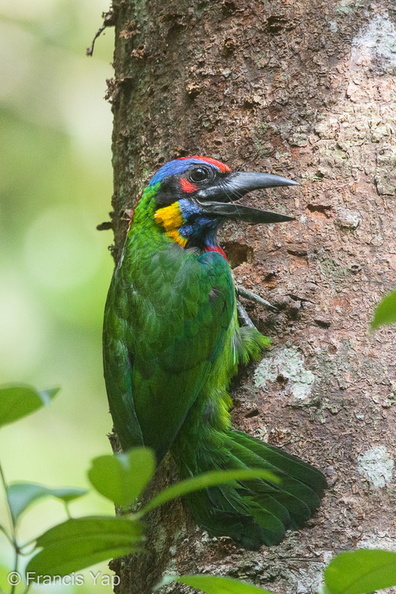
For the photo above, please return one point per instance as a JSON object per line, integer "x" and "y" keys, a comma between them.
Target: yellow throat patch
{"x": 171, "y": 219}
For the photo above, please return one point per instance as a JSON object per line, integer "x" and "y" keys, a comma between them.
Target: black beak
{"x": 234, "y": 187}
{"x": 241, "y": 213}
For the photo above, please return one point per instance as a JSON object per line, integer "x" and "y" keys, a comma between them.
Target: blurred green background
{"x": 56, "y": 184}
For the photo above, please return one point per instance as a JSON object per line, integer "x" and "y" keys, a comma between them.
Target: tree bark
{"x": 303, "y": 89}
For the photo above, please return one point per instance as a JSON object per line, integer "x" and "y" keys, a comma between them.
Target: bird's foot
{"x": 242, "y": 292}
{"x": 242, "y": 313}
{"x": 244, "y": 316}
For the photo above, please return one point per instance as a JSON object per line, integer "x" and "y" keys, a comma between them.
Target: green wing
{"x": 167, "y": 319}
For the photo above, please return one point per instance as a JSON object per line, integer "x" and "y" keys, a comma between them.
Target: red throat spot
{"x": 187, "y": 186}
{"x": 218, "y": 249}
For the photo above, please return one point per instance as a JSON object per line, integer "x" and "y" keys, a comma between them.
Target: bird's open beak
{"x": 241, "y": 213}
{"x": 234, "y": 187}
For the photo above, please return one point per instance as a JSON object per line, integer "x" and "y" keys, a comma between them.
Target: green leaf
{"x": 22, "y": 495}
{"x": 208, "y": 479}
{"x": 361, "y": 572}
{"x": 385, "y": 312}
{"x": 18, "y": 401}
{"x": 82, "y": 542}
{"x": 213, "y": 584}
{"x": 122, "y": 477}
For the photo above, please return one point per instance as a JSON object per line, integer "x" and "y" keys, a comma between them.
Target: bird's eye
{"x": 199, "y": 174}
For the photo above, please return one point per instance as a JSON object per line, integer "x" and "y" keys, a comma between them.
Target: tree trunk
{"x": 303, "y": 89}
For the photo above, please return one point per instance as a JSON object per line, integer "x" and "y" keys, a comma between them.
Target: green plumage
{"x": 172, "y": 343}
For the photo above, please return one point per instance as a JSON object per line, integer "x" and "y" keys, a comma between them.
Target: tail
{"x": 253, "y": 512}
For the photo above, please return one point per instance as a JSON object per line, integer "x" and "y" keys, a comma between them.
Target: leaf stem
{"x": 67, "y": 508}
{"x": 4, "y": 482}
{"x": 8, "y": 536}
{"x": 11, "y": 537}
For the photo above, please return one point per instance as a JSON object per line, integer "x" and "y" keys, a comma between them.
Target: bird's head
{"x": 194, "y": 195}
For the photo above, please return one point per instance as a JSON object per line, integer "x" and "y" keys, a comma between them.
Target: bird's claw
{"x": 242, "y": 292}
{"x": 244, "y": 316}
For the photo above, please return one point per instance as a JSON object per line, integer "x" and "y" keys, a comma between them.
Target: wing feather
{"x": 161, "y": 339}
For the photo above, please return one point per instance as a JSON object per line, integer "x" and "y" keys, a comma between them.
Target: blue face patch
{"x": 176, "y": 167}
{"x": 188, "y": 208}
{"x": 197, "y": 226}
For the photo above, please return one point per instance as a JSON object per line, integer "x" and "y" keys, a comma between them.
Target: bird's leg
{"x": 243, "y": 314}
{"x": 253, "y": 297}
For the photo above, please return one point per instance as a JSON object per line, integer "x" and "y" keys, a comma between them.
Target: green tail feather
{"x": 254, "y": 512}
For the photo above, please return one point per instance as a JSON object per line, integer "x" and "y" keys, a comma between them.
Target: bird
{"x": 172, "y": 342}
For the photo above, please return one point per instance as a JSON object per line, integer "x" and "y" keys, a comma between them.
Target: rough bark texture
{"x": 302, "y": 88}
